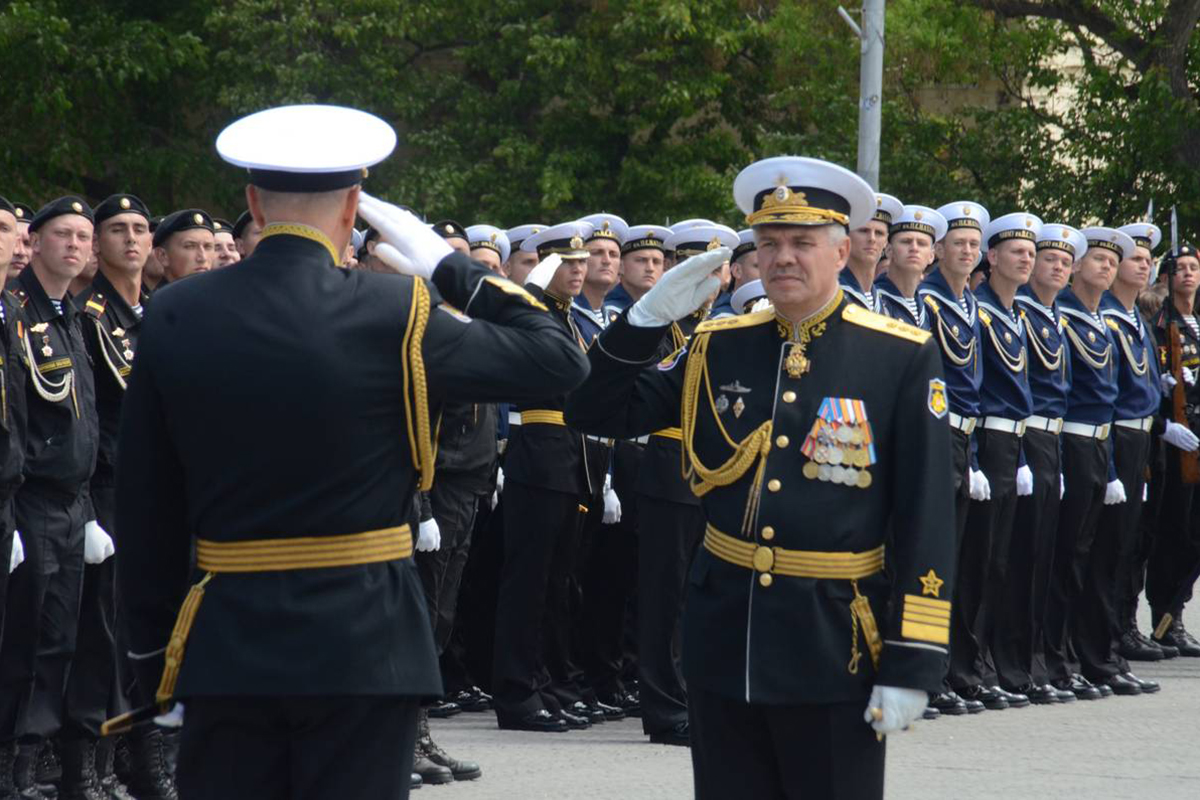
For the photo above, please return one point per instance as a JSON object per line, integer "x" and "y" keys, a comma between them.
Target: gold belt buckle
{"x": 764, "y": 559}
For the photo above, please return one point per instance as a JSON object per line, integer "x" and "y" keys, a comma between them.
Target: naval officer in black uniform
{"x": 793, "y": 633}
{"x": 280, "y": 416}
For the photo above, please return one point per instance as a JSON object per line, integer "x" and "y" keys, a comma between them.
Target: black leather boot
{"x": 79, "y": 778}
{"x": 149, "y": 776}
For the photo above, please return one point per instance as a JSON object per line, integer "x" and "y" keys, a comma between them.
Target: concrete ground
{"x": 1123, "y": 747}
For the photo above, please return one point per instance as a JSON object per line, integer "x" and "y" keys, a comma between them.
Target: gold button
{"x": 765, "y": 579}
{"x": 768, "y": 533}
{"x": 789, "y": 396}
{"x": 774, "y": 485}
{"x": 782, "y": 441}
{"x": 763, "y": 559}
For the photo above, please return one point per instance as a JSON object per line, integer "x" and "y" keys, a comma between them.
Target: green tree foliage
{"x": 514, "y": 111}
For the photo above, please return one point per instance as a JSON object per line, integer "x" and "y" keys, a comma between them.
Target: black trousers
{"x": 825, "y": 752}
{"x": 7, "y": 528}
{"x": 1085, "y": 472}
{"x": 1147, "y": 529}
{"x": 94, "y": 685}
{"x": 1176, "y": 544}
{"x": 541, "y": 526}
{"x": 960, "y": 459}
{"x": 44, "y": 594}
{"x": 667, "y": 541}
{"x": 1098, "y": 622}
{"x": 983, "y": 560}
{"x": 1016, "y": 637}
{"x": 454, "y": 502}
{"x": 467, "y": 660}
{"x": 564, "y": 637}
{"x": 297, "y": 748}
{"x": 608, "y": 578}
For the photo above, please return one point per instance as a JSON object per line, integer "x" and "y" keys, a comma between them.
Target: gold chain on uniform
{"x": 1053, "y": 362}
{"x": 1017, "y": 364}
{"x": 942, "y": 330}
{"x": 1090, "y": 357}
{"x": 1139, "y": 369}
{"x": 118, "y": 371}
{"x": 48, "y": 390}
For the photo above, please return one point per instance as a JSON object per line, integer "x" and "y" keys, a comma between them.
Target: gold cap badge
{"x": 124, "y": 202}
{"x": 576, "y": 243}
{"x": 77, "y": 208}
{"x": 198, "y": 219}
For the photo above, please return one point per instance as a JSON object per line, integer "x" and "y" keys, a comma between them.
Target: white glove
{"x": 97, "y": 544}
{"x": 1189, "y": 376}
{"x": 1181, "y": 436}
{"x": 171, "y": 719}
{"x": 429, "y": 536}
{"x": 1145, "y": 492}
{"x": 612, "y": 503}
{"x": 900, "y": 707}
{"x": 980, "y": 488}
{"x": 1114, "y": 493}
{"x": 499, "y": 487}
{"x": 1062, "y": 485}
{"x": 541, "y": 275}
{"x": 17, "y": 553}
{"x": 762, "y": 304}
{"x": 1167, "y": 382}
{"x": 680, "y": 291}
{"x": 407, "y": 245}
{"x": 1024, "y": 481}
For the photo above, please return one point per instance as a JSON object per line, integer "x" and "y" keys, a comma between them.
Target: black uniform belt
{"x": 276, "y": 555}
{"x": 544, "y": 416}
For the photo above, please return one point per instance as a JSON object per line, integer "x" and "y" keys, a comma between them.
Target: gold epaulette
{"x": 1112, "y": 323}
{"x": 878, "y": 322}
{"x": 985, "y": 318}
{"x": 737, "y": 321}
{"x": 95, "y": 306}
{"x": 508, "y": 287}
{"x": 933, "y": 304}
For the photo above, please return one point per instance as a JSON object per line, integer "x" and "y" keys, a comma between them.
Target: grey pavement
{"x": 1122, "y": 747}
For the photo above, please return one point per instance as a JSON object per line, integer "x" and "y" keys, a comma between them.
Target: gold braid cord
{"x": 109, "y": 348}
{"x": 753, "y": 448}
{"x": 420, "y": 431}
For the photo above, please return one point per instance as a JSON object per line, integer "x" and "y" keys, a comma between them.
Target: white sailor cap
{"x": 746, "y": 296}
{"x": 965, "y": 214}
{"x": 921, "y": 219}
{"x": 887, "y": 208}
{"x": 1018, "y": 225}
{"x": 701, "y": 239}
{"x": 1144, "y": 234}
{"x": 607, "y": 226}
{"x": 519, "y": 235}
{"x": 793, "y": 190}
{"x": 1056, "y": 236}
{"x": 746, "y": 243}
{"x": 691, "y": 223}
{"x": 307, "y": 148}
{"x": 644, "y": 237}
{"x": 1110, "y": 239}
{"x": 491, "y": 237}
{"x": 567, "y": 240}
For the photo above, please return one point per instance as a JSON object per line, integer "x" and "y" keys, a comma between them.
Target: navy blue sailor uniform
{"x": 1102, "y": 620}
{"x": 1031, "y": 555}
{"x": 895, "y": 305}
{"x": 1086, "y": 471}
{"x": 855, "y": 293}
{"x": 1005, "y": 402}
{"x": 802, "y": 481}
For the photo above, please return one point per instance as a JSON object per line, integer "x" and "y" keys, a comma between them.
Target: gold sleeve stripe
{"x": 925, "y": 633}
{"x": 927, "y": 603}
{"x": 928, "y": 619}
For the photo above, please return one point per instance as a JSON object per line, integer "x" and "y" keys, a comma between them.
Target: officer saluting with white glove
{"x": 799, "y": 428}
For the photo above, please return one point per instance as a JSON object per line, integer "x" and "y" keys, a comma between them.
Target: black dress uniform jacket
{"x": 280, "y": 397}
{"x": 791, "y": 640}
{"x": 12, "y": 399}
{"x": 110, "y": 330}
{"x": 61, "y": 445}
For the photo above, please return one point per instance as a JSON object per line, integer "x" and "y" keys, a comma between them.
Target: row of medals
{"x": 840, "y": 457}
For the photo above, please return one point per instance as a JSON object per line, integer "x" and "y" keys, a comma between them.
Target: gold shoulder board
{"x": 508, "y": 287}
{"x": 878, "y": 322}
{"x": 985, "y": 317}
{"x": 929, "y": 301}
{"x": 737, "y": 321}
{"x": 1112, "y": 323}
